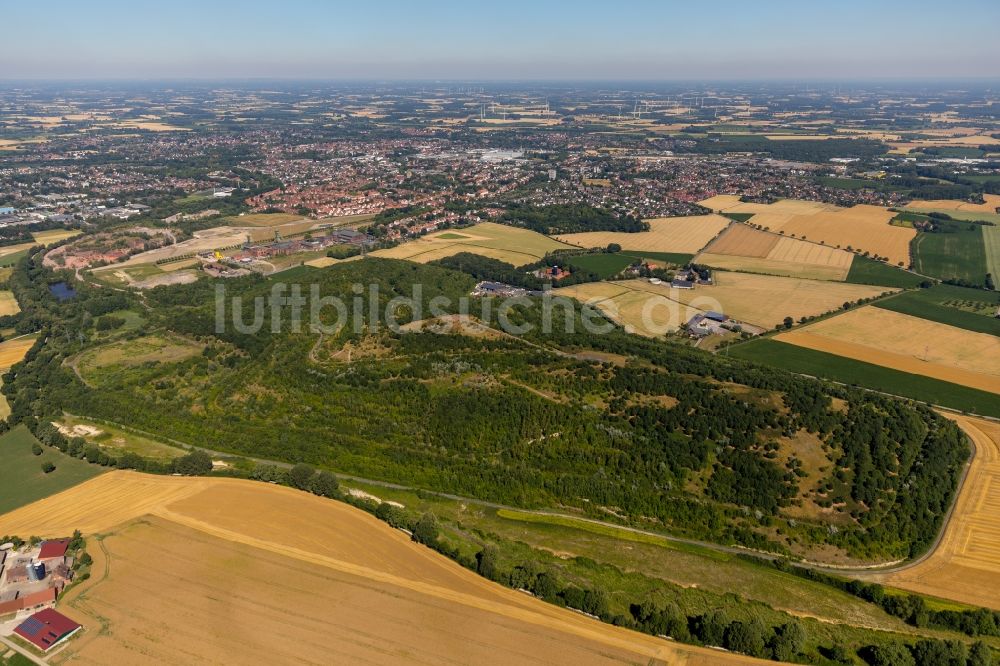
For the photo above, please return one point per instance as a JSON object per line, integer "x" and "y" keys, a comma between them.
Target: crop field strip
{"x": 991, "y": 242}
{"x": 861, "y": 227}
{"x": 761, "y": 300}
{"x": 496, "y": 241}
{"x": 244, "y": 538}
{"x": 8, "y": 304}
{"x": 906, "y": 343}
{"x": 958, "y": 253}
{"x": 811, "y": 362}
{"x": 966, "y": 565}
{"x": 971, "y": 309}
{"x": 742, "y": 247}
{"x": 686, "y": 235}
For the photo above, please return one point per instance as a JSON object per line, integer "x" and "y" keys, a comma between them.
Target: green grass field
{"x": 604, "y": 265}
{"x": 907, "y": 218}
{"x": 958, "y": 252}
{"x": 699, "y": 571}
{"x": 21, "y": 475}
{"x": 868, "y": 271}
{"x": 991, "y": 240}
{"x": 848, "y": 371}
{"x": 971, "y": 309}
{"x": 11, "y": 259}
{"x": 674, "y": 258}
{"x": 116, "y": 441}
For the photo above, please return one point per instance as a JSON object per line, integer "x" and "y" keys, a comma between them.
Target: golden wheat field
{"x": 211, "y": 569}
{"x": 497, "y": 241}
{"x": 990, "y": 205}
{"x": 8, "y": 304}
{"x": 727, "y": 262}
{"x": 965, "y": 567}
{"x": 907, "y": 343}
{"x": 14, "y": 249}
{"x": 54, "y": 235}
{"x": 684, "y": 235}
{"x": 763, "y": 300}
{"x": 744, "y": 248}
{"x": 13, "y": 350}
{"x": 635, "y": 310}
{"x": 863, "y": 228}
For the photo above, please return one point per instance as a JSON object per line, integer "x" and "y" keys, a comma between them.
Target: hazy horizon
{"x": 516, "y": 41}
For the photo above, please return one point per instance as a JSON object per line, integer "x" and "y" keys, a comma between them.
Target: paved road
{"x": 23, "y": 652}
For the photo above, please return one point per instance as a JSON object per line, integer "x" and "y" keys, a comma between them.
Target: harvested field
{"x": 744, "y": 248}
{"x": 992, "y": 202}
{"x": 965, "y": 567}
{"x": 8, "y": 304}
{"x": 762, "y": 300}
{"x": 666, "y": 234}
{"x": 14, "y": 249}
{"x": 504, "y": 243}
{"x": 13, "y": 350}
{"x": 637, "y": 311}
{"x": 54, "y": 235}
{"x": 322, "y": 262}
{"x": 862, "y": 228}
{"x": 906, "y": 343}
{"x": 769, "y": 267}
{"x": 744, "y": 241}
{"x": 287, "y": 565}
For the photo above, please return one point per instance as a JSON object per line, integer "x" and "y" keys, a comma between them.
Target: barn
{"x": 46, "y": 628}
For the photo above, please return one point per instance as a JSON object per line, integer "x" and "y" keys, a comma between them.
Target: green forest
{"x": 658, "y": 433}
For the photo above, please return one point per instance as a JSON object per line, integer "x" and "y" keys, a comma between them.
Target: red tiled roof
{"x": 45, "y": 596}
{"x": 52, "y": 549}
{"x": 46, "y": 628}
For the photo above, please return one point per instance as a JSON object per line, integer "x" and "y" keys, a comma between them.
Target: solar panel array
{"x": 31, "y": 626}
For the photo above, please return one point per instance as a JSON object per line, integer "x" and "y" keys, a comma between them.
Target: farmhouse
{"x": 46, "y": 628}
{"x": 708, "y": 323}
{"x": 553, "y": 273}
{"x": 29, "y": 601}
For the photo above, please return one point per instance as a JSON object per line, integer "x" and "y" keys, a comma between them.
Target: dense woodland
{"x": 570, "y": 218}
{"x": 673, "y": 435}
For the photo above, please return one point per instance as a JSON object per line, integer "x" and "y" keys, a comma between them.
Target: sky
{"x": 500, "y": 40}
